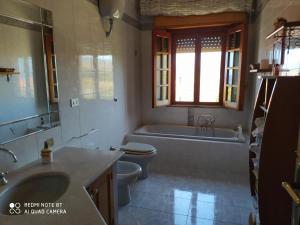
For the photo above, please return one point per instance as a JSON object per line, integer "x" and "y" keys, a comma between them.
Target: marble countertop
{"x": 82, "y": 166}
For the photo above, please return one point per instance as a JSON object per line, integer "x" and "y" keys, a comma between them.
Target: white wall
{"x": 178, "y": 115}
{"x": 288, "y": 9}
{"x": 77, "y": 32}
{"x": 273, "y": 9}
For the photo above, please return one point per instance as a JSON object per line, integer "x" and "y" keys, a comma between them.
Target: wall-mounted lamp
{"x": 109, "y": 11}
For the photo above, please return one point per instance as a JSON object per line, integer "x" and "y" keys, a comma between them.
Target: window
{"x": 210, "y": 69}
{"x": 161, "y": 68}
{"x": 185, "y": 56}
{"x": 204, "y": 67}
{"x": 198, "y": 59}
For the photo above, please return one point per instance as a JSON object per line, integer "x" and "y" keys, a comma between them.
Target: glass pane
{"x": 237, "y": 39}
{"x": 233, "y": 59}
{"x": 164, "y": 77}
{"x": 230, "y": 56}
{"x": 158, "y": 78}
{"x": 234, "y": 40}
{"x": 165, "y": 93}
{"x": 234, "y": 94}
{"x": 159, "y": 93}
{"x": 235, "y": 77}
{"x": 236, "y": 58}
{"x": 228, "y": 94}
{"x": 185, "y": 72}
{"x": 292, "y": 60}
{"x": 210, "y": 65}
{"x": 158, "y": 62}
{"x": 164, "y": 62}
{"x": 229, "y": 76}
{"x": 231, "y": 42}
{"x": 162, "y": 93}
{"x": 159, "y": 44}
{"x": 165, "y": 44}
{"x": 185, "y": 69}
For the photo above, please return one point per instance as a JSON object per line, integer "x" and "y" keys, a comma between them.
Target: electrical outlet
{"x": 74, "y": 102}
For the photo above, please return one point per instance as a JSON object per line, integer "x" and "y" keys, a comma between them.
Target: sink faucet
{"x": 3, "y": 179}
{"x": 11, "y": 153}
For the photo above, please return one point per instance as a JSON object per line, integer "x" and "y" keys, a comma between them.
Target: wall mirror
{"x": 28, "y": 73}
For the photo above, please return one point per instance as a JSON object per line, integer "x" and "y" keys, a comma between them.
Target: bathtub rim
{"x": 178, "y": 136}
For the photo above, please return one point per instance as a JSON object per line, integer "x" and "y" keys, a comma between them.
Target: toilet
{"x": 139, "y": 153}
{"x": 127, "y": 174}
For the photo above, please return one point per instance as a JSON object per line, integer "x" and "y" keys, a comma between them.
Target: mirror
{"x": 28, "y": 74}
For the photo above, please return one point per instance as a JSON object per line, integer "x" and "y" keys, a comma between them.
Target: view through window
{"x": 198, "y": 68}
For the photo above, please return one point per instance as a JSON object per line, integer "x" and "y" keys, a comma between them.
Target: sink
{"x": 40, "y": 188}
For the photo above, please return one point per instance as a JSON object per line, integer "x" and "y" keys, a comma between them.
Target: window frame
{"x": 238, "y": 25}
{"x": 239, "y": 104}
{"x": 198, "y": 33}
{"x": 155, "y": 35}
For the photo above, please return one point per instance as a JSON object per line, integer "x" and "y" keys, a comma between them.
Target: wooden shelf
{"x": 234, "y": 50}
{"x": 263, "y": 108}
{"x": 267, "y": 71}
{"x": 162, "y": 69}
{"x": 276, "y": 147}
{"x": 232, "y": 85}
{"x": 255, "y": 173}
{"x": 233, "y": 68}
{"x": 261, "y": 71}
{"x": 267, "y": 77}
{"x": 162, "y": 53}
{"x": 288, "y": 25}
{"x": 162, "y": 85}
{"x": 54, "y": 100}
{"x": 7, "y": 74}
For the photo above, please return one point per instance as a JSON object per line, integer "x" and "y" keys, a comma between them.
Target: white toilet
{"x": 139, "y": 153}
{"x": 127, "y": 173}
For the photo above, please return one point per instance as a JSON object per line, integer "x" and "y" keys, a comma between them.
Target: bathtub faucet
{"x": 206, "y": 121}
{"x": 191, "y": 116}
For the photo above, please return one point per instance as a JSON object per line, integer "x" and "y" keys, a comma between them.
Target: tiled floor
{"x": 164, "y": 199}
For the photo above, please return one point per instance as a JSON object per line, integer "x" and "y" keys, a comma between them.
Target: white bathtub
{"x": 176, "y": 131}
{"x": 219, "y": 156}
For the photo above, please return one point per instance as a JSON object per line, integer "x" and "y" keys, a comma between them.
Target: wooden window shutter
{"x": 235, "y": 67}
{"x": 161, "y": 64}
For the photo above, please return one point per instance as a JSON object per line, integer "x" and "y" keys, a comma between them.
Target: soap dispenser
{"x": 46, "y": 154}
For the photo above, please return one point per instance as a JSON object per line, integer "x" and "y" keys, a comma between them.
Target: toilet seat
{"x": 133, "y": 148}
{"x": 139, "y": 153}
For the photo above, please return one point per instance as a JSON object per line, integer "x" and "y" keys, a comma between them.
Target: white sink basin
{"x": 40, "y": 188}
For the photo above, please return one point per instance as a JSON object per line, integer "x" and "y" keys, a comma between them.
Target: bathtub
{"x": 177, "y": 131}
{"x": 216, "y": 156}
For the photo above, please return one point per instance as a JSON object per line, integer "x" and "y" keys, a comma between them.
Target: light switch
{"x": 74, "y": 102}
